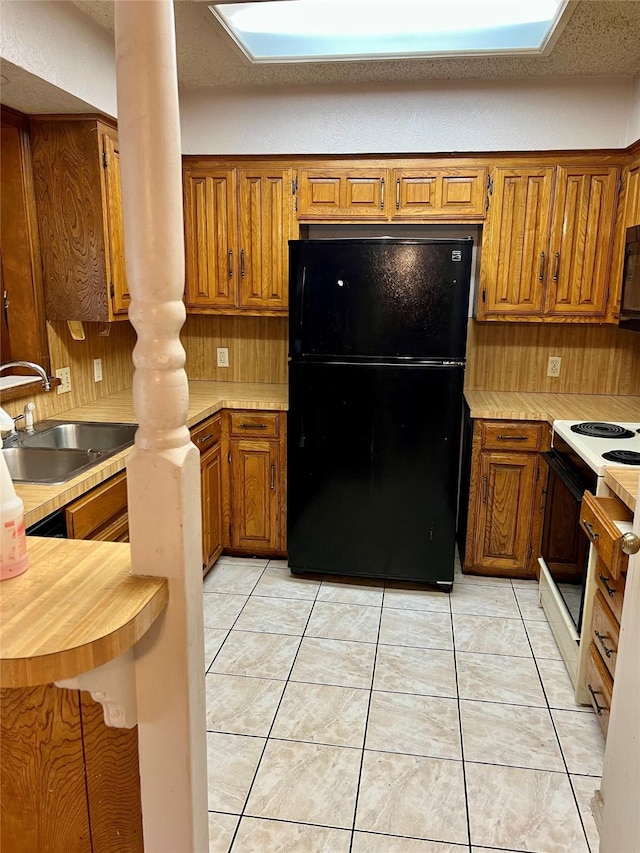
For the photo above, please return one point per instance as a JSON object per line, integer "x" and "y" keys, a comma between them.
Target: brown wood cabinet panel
{"x": 605, "y": 632}
{"x": 506, "y": 511}
{"x": 113, "y": 782}
{"x": 258, "y": 424}
{"x": 75, "y": 218}
{"x": 264, "y": 232}
{"x": 505, "y": 498}
{"x": 44, "y": 798}
{"x": 207, "y": 433}
{"x": 92, "y": 515}
{"x": 342, "y": 193}
{"x": 210, "y": 231}
{"x": 455, "y": 194}
{"x": 514, "y": 263}
{"x": 211, "y": 491}
{"x": 23, "y": 324}
{"x": 254, "y": 496}
{"x": 598, "y": 517}
{"x": 116, "y": 272}
{"x": 581, "y": 242}
{"x": 612, "y": 589}
{"x": 600, "y": 686}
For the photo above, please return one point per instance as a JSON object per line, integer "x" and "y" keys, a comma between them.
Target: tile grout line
{"x": 555, "y": 730}
{"x": 268, "y": 737}
{"x": 464, "y": 766}
{"x": 366, "y": 721}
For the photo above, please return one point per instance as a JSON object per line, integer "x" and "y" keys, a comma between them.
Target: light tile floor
{"x": 365, "y": 717}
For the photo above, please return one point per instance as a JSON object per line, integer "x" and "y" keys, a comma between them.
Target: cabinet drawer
{"x": 612, "y": 589}
{"x": 605, "y": 632}
{"x": 597, "y": 518}
{"x": 600, "y": 687}
{"x": 263, "y": 424}
{"x": 503, "y": 435}
{"x": 207, "y": 433}
{"x": 90, "y": 512}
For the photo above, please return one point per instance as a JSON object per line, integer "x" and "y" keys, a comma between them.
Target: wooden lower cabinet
{"x": 100, "y": 514}
{"x": 68, "y": 782}
{"x": 505, "y": 501}
{"x": 255, "y": 495}
{"x": 207, "y": 438}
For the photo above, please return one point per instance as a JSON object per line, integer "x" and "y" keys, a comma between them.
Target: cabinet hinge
{"x": 294, "y": 186}
{"x": 620, "y": 184}
{"x": 104, "y": 159}
{"x": 112, "y": 291}
{"x": 229, "y": 457}
{"x": 530, "y": 551}
{"x": 489, "y": 185}
{"x": 484, "y": 295}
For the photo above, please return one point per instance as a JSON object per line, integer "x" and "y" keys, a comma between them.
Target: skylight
{"x": 330, "y": 30}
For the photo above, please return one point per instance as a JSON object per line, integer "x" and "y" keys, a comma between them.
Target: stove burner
{"x": 624, "y": 457}
{"x": 595, "y": 429}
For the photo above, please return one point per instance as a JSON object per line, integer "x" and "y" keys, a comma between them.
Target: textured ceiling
{"x": 601, "y": 39}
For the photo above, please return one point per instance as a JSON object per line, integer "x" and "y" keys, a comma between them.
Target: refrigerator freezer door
{"x": 379, "y": 298}
{"x": 373, "y": 458}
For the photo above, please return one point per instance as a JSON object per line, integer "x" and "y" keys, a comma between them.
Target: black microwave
{"x": 630, "y": 308}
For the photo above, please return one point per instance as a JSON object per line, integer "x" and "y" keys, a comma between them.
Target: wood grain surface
{"x": 75, "y": 608}
{"x": 513, "y": 405}
{"x": 44, "y": 800}
{"x": 624, "y": 482}
{"x": 113, "y": 782}
{"x": 513, "y": 357}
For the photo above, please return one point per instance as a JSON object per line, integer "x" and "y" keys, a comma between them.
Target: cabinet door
{"x": 439, "y": 193}
{"x": 581, "y": 242}
{"x": 211, "y": 491}
{"x": 210, "y": 241}
{"x": 264, "y": 231}
{"x": 515, "y": 262}
{"x": 254, "y": 497}
{"x": 341, "y": 193}
{"x": 504, "y": 520}
{"x": 117, "y": 276}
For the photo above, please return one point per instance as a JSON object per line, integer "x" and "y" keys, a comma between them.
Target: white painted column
{"x": 620, "y": 787}
{"x": 164, "y": 469}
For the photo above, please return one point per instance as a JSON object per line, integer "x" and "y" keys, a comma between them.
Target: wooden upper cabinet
{"x": 117, "y": 275}
{"x": 210, "y": 217}
{"x": 455, "y": 194}
{"x": 581, "y": 240}
{"x": 264, "y": 231}
{"x": 547, "y": 247}
{"x": 342, "y": 193}
{"x": 237, "y": 226}
{"x": 515, "y": 245}
{"x": 77, "y": 188}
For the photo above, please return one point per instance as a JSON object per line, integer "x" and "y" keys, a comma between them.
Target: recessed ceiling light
{"x": 331, "y": 30}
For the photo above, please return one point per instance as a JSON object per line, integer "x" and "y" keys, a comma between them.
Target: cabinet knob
{"x": 630, "y": 543}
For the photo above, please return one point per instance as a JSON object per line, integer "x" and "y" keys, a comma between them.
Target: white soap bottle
{"x": 13, "y": 543}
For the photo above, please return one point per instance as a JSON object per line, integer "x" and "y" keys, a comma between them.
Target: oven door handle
{"x": 562, "y": 471}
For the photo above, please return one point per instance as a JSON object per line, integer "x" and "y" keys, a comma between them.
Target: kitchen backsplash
{"x": 513, "y": 357}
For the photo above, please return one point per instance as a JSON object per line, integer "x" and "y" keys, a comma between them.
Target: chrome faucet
{"x": 35, "y": 367}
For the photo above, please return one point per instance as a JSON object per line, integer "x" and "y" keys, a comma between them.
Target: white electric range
{"x": 581, "y": 450}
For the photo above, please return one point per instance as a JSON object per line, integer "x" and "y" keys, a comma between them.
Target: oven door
{"x": 565, "y": 549}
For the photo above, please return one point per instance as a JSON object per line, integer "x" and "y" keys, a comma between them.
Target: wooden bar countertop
{"x": 75, "y": 608}
{"x": 205, "y": 398}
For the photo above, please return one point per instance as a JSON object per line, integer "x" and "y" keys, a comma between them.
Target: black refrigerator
{"x": 377, "y": 339}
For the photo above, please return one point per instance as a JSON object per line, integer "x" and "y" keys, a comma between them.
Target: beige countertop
{"x": 515, "y": 405}
{"x": 205, "y": 398}
{"x": 76, "y": 607}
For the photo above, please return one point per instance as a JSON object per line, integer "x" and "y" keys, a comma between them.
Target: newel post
{"x": 164, "y": 469}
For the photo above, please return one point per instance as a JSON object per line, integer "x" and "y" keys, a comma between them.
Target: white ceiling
{"x": 601, "y": 39}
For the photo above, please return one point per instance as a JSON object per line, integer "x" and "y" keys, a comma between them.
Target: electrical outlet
{"x": 97, "y": 370}
{"x": 64, "y": 375}
{"x": 223, "y": 357}
{"x": 553, "y": 365}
